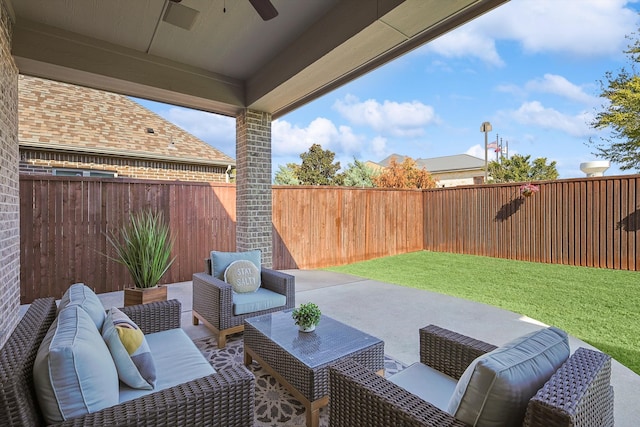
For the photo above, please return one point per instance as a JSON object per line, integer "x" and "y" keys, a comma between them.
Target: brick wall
{"x": 9, "y": 188}
{"x": 254, "y": 227}
{"x": 34, "y": 162}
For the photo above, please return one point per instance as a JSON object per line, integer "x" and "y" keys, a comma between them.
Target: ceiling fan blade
{"x": 265, "y": 9}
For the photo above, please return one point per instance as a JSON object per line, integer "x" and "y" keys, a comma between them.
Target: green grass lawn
{"x": 599, "y": 306}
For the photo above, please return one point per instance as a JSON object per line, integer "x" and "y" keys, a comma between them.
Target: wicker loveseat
{"x": 213, "y": 300}
{"x": 579, "y": 393}
{"x": 224, "y": 398}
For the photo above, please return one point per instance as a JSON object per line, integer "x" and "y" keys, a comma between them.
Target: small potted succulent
{"x": 307, "y": 316}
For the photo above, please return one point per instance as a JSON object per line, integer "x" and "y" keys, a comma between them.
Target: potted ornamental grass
{"x": 143, "y": 245}
{"x": 307, "y": 316}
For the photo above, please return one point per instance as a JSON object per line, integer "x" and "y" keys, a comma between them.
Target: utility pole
{"x": 486, "y": 128}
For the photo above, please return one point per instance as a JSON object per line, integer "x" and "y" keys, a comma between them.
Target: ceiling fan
{"x": 265, "y": 8}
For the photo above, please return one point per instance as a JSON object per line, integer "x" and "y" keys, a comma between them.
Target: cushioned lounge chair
{"x": 579, "y": 393}
{"x": 213, "y": 300}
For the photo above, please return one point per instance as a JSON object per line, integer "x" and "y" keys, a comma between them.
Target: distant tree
{"x": 404, "y": 175}
{"x": 621, "y": 113}
{"x": 358, "y": 174}
{"x": 287, "y": 175}
{"x": 318, "y": 168}
{"x": 518, "y": 168}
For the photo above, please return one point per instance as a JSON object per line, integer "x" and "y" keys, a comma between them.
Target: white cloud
{"x": 475, "y": 151}
{"x": 401, "y": 119}
{"x": 288, "y": 139}
{"x": 218, "y": 131}
{"x": 558, "y": 85}
{"x": 535, "y": 114}
{"x": 379, "y": 148}
{"x": 467, "y": 42}
{"x": 585, "y": 28}
{"x": 512, "y": 89}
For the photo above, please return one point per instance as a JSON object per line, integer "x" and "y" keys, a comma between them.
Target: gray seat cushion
{"x": 427, "y": 383}
{"x": 262, "y": 299}
{"x": 177, "y": 361}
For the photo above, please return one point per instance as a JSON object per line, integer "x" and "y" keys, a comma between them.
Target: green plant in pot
{"x": 307, "y": 316}
{"x": 143, "y": 245}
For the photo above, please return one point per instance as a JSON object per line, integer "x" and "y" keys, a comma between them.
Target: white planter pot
{"x": 307, "y": 329}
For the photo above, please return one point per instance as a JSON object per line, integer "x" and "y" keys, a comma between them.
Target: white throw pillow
{"x": 243, "y": 276}
{"x": 495, "y": 389}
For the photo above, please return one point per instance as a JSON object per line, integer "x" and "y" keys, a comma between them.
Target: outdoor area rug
{"x": 274, "y": 406}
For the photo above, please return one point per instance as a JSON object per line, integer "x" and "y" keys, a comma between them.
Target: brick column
{"x": 254, "y": 229}
{"x": 9, "y": 183}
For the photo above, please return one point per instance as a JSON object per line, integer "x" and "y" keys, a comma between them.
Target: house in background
{"x": 71, "y": 130}
{"x": 448, "y": 171}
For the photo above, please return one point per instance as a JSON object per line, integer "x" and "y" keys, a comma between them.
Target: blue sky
{"x": 530, "y": 67}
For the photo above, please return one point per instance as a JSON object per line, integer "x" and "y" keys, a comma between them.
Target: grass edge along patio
{"x": 596, "y": 305}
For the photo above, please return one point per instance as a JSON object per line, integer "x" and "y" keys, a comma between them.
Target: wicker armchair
{"x": 224, "y": 398}
{"x": 213, "y": 301}
{"x": 578, "y": 394}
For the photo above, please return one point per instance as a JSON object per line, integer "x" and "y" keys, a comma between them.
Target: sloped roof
{"x": 74, "y": 119}
{"x": 458, "y": 162}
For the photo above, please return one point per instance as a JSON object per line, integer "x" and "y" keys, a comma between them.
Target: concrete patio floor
{"x": 395, "y": 313}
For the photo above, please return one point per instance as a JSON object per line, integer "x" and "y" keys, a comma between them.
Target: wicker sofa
{"x": 213, "y": 300}
{"x": 224, "y": 398}
{"x": 579, "y": 393}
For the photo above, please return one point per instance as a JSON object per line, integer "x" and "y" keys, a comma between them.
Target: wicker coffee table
{"x": 299, "y": 360}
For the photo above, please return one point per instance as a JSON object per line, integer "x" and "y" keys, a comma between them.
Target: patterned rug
{"x": 275, "y": 406}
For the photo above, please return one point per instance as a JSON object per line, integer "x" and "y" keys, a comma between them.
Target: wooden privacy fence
{"x": 591, "y": 222}
{"x": 317, "y": 227}
{"x": 63, "y": 220}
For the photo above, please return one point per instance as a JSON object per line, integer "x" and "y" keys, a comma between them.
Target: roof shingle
{"x": 64, "y": 117}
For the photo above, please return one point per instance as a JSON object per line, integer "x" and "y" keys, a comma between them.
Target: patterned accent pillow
{"x": 243, "y": 276}
{"x": 129, "y": 350}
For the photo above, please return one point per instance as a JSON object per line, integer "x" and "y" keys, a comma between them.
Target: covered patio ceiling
{"x": 219, "y": 55}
